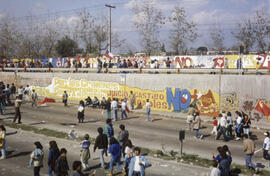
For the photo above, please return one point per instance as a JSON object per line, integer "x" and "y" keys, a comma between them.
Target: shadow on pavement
{"x": 11, "y": 133}
{"x": 91, "y": 121}
{"x": 20, "y": 154}
{"x": 156, "y": 119}
{"x": 67, "y": 124}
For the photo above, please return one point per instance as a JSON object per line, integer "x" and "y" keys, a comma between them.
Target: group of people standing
{"x": 120, "y": 148}
{"x": 111, "y": 106}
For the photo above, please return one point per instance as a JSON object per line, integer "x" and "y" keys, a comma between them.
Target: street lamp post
{"x": 110, "y": 26}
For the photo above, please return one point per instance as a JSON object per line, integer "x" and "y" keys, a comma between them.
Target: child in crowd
{"x": 215, "y": 126}
{"x": 85, "y": 152}
{"x": 215, "y": 171}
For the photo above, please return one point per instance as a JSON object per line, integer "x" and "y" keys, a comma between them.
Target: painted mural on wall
{"x": 229, "y": 102}
{"x": 206, "y": 61}
{"x": 170, "y": 99}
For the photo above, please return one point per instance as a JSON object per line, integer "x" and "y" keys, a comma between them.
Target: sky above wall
{"x": 208, "y": 14}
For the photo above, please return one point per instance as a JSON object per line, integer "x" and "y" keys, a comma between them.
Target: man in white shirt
{"x": 137, "y": 164}
{"x": 222, "y": 130}
{"x": 123, "y": 108}
{"x": 266, "y": 146}
{"x": 114, "y": 109}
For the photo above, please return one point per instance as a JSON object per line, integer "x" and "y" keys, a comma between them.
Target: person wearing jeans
{"x": 249, "y": 148}
{"x": 148, "y": 110}
{"x": 115, "y": 151}
{"x": 123, "y": 108}
{"x": 101, "y": 144}
{"x": 197, "y": 125}
{"x": 114, "y": 109}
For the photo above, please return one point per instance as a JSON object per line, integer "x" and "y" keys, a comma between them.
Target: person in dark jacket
{"x": 53, "y": 155}
{"x": 77, "y": 169}
{"x": 123, "y": 137}
{"x": 61, "y": 166}
{"x": 101, "y": 144}
{"x": 81, "y": 112}
{"x": 224, "y": 164}
{"x": 115, "y": 151}
{"x": 108, "y": 108}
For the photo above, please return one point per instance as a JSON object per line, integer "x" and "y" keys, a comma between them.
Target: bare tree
{"x": 8, "y": 37}
{"x": 86, "y": 30}
{"x": 245, "y": 34}
{"x": 182, "y": 32}
{"x": 148, "y": 21}
{"x": 217, "y": 38}
{"x": 51, "y": 35}
{"x": 261, "y": 30}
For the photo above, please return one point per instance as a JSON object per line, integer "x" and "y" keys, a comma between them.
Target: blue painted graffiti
{"x": 180, "y": 100}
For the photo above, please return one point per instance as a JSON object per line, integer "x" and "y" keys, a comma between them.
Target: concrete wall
{"x": 230, "y": 92}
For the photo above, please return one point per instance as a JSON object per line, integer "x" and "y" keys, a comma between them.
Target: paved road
{"x": 161, "y": 132}
{"x": 20, "y": 144}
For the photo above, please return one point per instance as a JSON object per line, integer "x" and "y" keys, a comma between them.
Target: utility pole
{"x": 110, "y": 27}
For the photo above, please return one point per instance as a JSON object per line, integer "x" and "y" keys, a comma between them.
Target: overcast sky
{"x": 206, "y": 13}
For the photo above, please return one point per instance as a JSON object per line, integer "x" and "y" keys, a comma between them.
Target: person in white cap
{"x": 266, "y": 146}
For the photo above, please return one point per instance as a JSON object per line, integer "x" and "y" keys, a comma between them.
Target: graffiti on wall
{"x": 170, "y": 99}
{"x": 229, "y": 101}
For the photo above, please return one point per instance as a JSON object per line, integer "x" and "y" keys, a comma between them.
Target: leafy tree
{"x": 66, "y": 47}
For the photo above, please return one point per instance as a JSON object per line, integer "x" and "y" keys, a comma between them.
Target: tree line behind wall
{"x": 88, "y": 34}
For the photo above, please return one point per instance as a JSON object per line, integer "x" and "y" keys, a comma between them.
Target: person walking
{"x": 61, "y": 166}
{"x": 238, "y": 125}
{"x": 137, "y": 164}
{"x": 131, "y": 99}
{"x": 3, "y": 141}
{"x": 108, "y": 129}
{"x": 65, "y": 98}
{"x": 123, "y": 138}
{"x": 215, "y": 126}
{"x": 222, "y": 129}
{"x": 197, "y": 125}
{"x": 34, "y": 98}
{"x": 108, "y": 108}
{"x": 266, "y": 146}
{"x": 36, "y": 158}
{"x": 20, "y": 92}
{"x": 85, "y": 151}
{"x": 17, "y": 105}
{"x": 54, "y": 153}
{"x": 101, "y": 144}
{"x": 115, "y": 151}
{"x": 80, "y": 114}
{"x": 148, "y": 110}
{"x": 190, "y": 120}
{"x": 249, "y": 148}
{"x": 229, "y": 124}
{"x": 123, "y": 109}
{"x": 114, "y": 107}
{"x": 246, "y": 124}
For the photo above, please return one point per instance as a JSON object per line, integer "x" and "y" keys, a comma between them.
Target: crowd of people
{"x": 122, "y": 153}
{"x": 230, "y": 128}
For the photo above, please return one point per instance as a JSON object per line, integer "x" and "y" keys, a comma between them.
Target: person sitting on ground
{"x": 103, "y": 103}
{"x": 95, "y": 102}
{"x": 88, "y": 101}
{"x": 77, "y": 169}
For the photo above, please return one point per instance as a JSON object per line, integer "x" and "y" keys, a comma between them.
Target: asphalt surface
{"x": 161, "y": 134}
